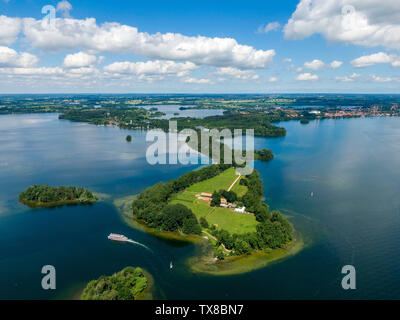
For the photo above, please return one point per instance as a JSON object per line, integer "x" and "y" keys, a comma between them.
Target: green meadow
{"x": 222, "y": 218}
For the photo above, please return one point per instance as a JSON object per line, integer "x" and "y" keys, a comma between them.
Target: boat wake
{"x": 139, "y": 244}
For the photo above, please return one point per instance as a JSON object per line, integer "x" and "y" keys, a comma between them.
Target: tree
{"x": 216, "y": 199}
{"x": 230, "y": 196}
{"x": 204, "y": 222}
{"x": 191, "y": 226}
{"x": 129, "y": 138}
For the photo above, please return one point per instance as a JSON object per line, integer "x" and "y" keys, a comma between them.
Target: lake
{"x": 173, "y": 111}
{"x": 351, "y": 165}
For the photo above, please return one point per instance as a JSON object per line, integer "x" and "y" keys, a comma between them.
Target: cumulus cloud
{"x": 273, "y": 79}
{"x": 348, "y": 78}
{"x": 237, "y": 73}
{"x": 377, "y": 58}
{"x": 383, "y": 79}
{"x": 9, "y": 29}
{"x": 11, "y": 58}
{"x": 272, "y": 26}
{"x": 114, "y": 37}
{"x": 318, "y": 65}
{"x": 79, "y": 60}
{"x": 197, "y": 81}
{"x": 307, "y": 77}
{"x": 361, "y": 22}
{"x": 314, "y": 65}
{"x": 336, "y": 64}
{"x": 151, "y": 68}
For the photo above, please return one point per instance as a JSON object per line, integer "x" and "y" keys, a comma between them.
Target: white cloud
{"x": 383, "y": 79}
{"x": 83, "y": 70}
{"x": 336, "y": 64}
{"x": 197, "y": 81}
{"x": 80, "y": 59}
{"x": 307, "y": 77}
{"x": 237, "y": 73}
{"x": 9, "y": 29}
{"x": 114, "y": 37}
{"x": 65, "y": 7}
{"x": 151, "y": 68}
{"x": 318, "y": 65}
{"x": 273, "y": 79}
{"x": 348, "y": 78}
{"x": 11, "y": 58}
{"x": 33, "y": 71}
{"x": 314, "y": 65}
{"x": 377, "y": 58}
{"x": 272, "y": 26}
{"x": 361, "y": 22}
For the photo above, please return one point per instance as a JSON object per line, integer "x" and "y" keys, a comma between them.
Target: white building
{"x": 241, "y": 210}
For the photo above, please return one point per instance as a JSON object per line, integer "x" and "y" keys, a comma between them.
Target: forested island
{"x": 236, "y": 221}
{"x": 127, "y": 284}
{"x": 264, "y": 155}
{"x": 47, "y": 196}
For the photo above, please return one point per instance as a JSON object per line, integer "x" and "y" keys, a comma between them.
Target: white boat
{"x": 171, "y": 266}
{"x": 117, "y": 237}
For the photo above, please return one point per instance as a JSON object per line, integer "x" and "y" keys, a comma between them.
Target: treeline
{"x": 47, "y": 195}
{"x": 273, "y": 233}
{"x": 152, "y": 204}
{"x": 124, "y": 285}
{"x": 129, "y": 118}
{"x": 260, "y": 122}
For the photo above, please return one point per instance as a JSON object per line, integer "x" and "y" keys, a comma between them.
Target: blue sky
{"x": 348, "y": 46}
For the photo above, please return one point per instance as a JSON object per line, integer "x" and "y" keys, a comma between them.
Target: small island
{"x": 37, "y": 196}
{"x": 128, "y": 284}
{"x": 223, "y": 207}
{"x": 264, "y": 155}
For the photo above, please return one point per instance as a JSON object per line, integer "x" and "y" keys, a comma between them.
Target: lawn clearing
{"x": 223, "y": 218}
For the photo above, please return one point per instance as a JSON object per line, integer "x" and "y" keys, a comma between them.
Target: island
{"x": 129, "y": 284}
{"x": 226, "y": 209}
{"x": 264, "y": 155}
{"x": 46, "y": 196}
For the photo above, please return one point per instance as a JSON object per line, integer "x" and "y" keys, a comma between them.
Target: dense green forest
{"x": 124, "y": 285}
{"x": 46, "y": 195}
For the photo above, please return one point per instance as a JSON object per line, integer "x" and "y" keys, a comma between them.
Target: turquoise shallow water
{"x": 352, "y": 166}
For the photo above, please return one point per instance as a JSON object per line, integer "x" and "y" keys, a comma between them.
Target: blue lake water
{"x": 351, "y": 165}
{"x": 173, "y": 111}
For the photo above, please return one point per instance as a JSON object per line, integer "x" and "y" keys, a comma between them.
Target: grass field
{"x": 223, "y": 218}
{"x": 222, "y": 181}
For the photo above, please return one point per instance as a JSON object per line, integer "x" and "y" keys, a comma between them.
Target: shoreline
{"x": 203, "y": 261}
{"x": 38, "y": 204}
